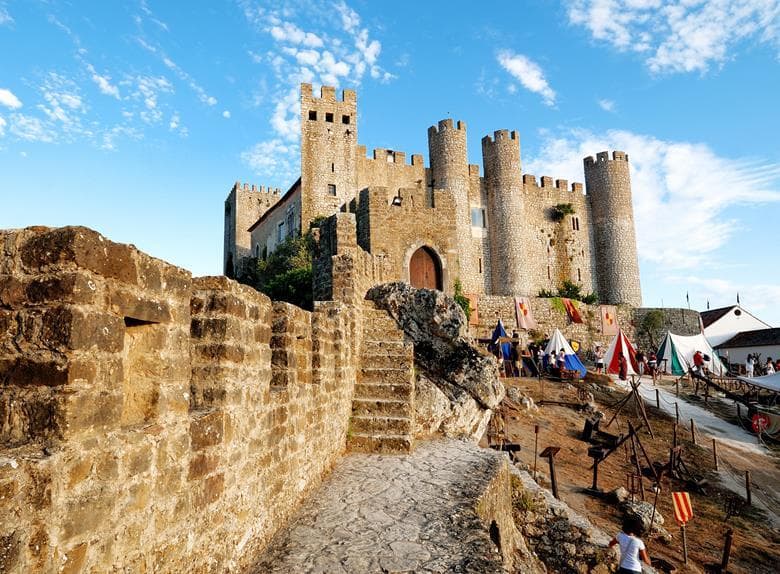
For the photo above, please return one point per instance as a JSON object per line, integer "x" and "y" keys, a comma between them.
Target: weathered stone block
{"x": 69, "y": 327}
{"x": 202, "y": 464}
{"x": 29, "y": 415}
{"x": 206, "y": 429}
{"x": 209, "y": 491}
{"x": 87, "y": 513}
{"x": 133, "y": 306}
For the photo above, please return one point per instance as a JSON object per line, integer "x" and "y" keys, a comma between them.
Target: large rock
{"x": 445, "y": 356}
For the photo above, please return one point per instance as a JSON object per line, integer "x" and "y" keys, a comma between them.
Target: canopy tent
{"x": 768, "y": 382}
{"x": 620, "y": 344}
{"x": 500, "y": 333}
{"x": 572, "y": 361}
{"x": 678, "y": 351}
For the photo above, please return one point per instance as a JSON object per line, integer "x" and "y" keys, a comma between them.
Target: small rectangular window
{"x": 312, "y": 114}
{"x": 345, "y": 120}
{"x": 280, "y": 232}
{"x": 331, "y": 189}
{"x": 329, "y": 117}
{"x": 478, "y": 217}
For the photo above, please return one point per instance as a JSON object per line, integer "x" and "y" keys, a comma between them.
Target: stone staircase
{"x": 382, "y": 408}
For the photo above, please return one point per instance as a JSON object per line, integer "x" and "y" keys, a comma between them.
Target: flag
{"x": 609, "y": 324}
{"x": 571, "y": 310}
{"x": 737, "y": 297}
{"x": 525, "y": 319}
{"x": 708, "y": 304}
{"x": 688, "y": 299}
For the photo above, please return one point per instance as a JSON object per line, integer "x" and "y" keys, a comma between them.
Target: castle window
{"x": 548, "y": 273}
{"x": 579, "y": 275}
{"x": 329, "y": 117}
{"x": 333, "y": 168}
{"x": 331, "y": 189}
{"x": 312, "y": 114}
{"x": 478, "y": 217}
{"x": 290, "y": 223}
{"x": 280, "y": 232}
{"x": 257, "y": 250}
{"x": 390, "y": 158}
{"x": 575, "y": 223}
{"x": 480, "y": 265}
{"x": 345, "y": 120}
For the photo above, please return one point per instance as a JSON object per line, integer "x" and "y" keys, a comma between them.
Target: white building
{"x": 722, "y": 324}
{"x": 765, "y": 342}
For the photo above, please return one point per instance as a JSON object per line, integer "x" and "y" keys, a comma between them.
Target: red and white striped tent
{"x": 620, "y": 344}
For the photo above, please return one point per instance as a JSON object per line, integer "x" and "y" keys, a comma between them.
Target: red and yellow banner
{"x": 571, "y": 310}
{"x": 683, "y": 511}
{"x": 525, "y": 319}
{"x": 609, "y": 324}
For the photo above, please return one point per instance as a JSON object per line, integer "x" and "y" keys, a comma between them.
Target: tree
{"x": 652, "y": 326}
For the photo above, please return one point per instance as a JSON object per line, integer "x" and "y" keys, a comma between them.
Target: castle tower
{"x": 608, "y": 186}
{"x": 328, "y": 152}
{"x": 450, "y": 172}
{"x": 243, "y": 206}
{"x": 503, "y": 180}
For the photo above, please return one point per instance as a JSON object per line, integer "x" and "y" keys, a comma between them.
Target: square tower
{"x": 328, "y": 152}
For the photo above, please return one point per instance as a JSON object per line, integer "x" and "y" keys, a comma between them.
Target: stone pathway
{"x": 393, "y": 514}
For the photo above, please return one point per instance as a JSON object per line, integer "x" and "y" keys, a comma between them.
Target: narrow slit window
{"x": 480, "y": 265}
{"x": 579, "y": 275}
{"x": 333, "y": 168}
{"x": 548, "y": 272}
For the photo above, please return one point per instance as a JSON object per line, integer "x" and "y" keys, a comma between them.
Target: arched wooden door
{"x": 425, "y": 269}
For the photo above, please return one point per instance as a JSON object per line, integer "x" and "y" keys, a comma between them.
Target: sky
{"x": 135, "y": 118}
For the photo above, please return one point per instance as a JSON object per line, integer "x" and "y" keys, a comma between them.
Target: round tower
{"x": 503, "y": 180}
{"x": 450, "y": 172}
{"x": 608, "y": 187}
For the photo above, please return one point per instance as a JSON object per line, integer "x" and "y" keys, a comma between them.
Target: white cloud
{"x": 174, "y": 123}
{"x": 9, "y": 100}
{"x": 607, "y": 105}
{"x": 5, "y": 17}
{"x": 103, "y": 83}
{"x": 3, "y": 123}
{"x": 683, "y": 192}
{"x": 288, "y": 32}
{"x": 528, "y": 73}
{"x": 679, "y": 35}
{"x": 30, "y": 128}
{"x": 226, "y": 114}
{"x": 755, "y": 296}
{"x": 272, "y": 157}
{"x": 148, "y": 90}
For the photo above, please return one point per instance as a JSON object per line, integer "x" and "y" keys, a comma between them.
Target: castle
{"x": 502, "y": 233}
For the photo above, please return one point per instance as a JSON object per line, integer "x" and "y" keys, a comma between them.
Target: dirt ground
{"x": 756, "y": 546}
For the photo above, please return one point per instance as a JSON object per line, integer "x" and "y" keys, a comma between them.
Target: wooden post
{"x": 748, "y": 494}
{"x": 727, "y": 550}
{"x": 677, "y": 413}
{"x": 674, "y": 436}
{"x": 658, "y": 399}
{"x": 685, "y": 544}
{"x": 715, "y": 453}
{"x": 536, "y": 447}
{"x": 693, "y": 432}
{"x": 550, "y": 453}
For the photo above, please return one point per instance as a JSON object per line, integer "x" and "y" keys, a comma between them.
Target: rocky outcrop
{"x": 449, "y": 366}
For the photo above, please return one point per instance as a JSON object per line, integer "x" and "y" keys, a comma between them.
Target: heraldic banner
{"x": 571, "y": 310}
{"x": 609, "y": 324}
{"x": 525, "y": 319}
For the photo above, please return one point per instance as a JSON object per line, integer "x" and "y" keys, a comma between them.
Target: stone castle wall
{"x": 154, "y": 422}
{"x": 243, "y": 207}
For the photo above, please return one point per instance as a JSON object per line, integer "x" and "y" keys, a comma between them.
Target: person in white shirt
{"x": 749, "y": 366}
{"x": 770, "y": 366}
{"x": 632, "y": 549}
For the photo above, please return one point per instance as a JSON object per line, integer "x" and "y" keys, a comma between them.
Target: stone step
{"x": 399, "y": 362}
{"x": 378, "y": 391}
{"x": 381, "y": 408}
{"x": 381, "y": 425}
{"x": 386, "y": 347}
{"x": 379, "y": 333}
{"x": 396, "y": 444}
{"x": 373, "y": 375}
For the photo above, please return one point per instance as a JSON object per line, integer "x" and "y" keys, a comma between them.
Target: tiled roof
{"x": 757, "y": 338}
{"x": 712, "y": 315}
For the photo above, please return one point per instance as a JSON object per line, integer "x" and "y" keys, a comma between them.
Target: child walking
{"x": 632, "y": 549}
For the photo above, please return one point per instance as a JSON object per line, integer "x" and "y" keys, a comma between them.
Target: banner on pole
{"x": 525, "y": 319}
{"x": 609, "y": 324}
{"x": 683, "y": 511}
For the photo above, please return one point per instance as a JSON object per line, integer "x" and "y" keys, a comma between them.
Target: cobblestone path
{"x": 393, "y": 513}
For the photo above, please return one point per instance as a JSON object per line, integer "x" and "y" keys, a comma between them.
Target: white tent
{"x": 678, "y": 351}
{"x": 572, "y": 361}
{"x": 769, "y": 382}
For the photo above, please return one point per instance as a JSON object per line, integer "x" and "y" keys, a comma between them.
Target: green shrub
{"x": 561, "y": 210}
{"x": 570, "y": 290}
{"x": 461, "y": 299}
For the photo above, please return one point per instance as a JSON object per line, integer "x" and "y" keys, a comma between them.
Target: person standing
{"x": 640, "y": 361}
{"x": 561, "y": 359}
{"x": 652, "y": 364}
{"x": 599, "y": 360}
{"x": 749, "y": 366}
{"x": 632, "y": 549}
{"x": 770, "y": 366}
{"x": 622, "y": 367}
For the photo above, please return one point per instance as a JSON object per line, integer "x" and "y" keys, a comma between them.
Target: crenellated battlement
{"x": 548, "y": 183}
{"x": 501, "y": 135}
{"x": 393, "y": 157}
{"x": 603, "y": 156}
{"x": 445, "y": 125}
{"x": 328, "y": 94}
{"x": 238, "y": 186}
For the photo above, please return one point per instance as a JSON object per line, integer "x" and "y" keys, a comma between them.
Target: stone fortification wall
{"x": 243, "y": 207}
{"x": 506, "y": 229}
{"x": 152, "y": 422}
{"x": 609, "y": 189}
{"x": 265, "y": 233}
{"x": 556, "y": 250}
{"x": 388, "y": 168}
{"x": 343, "y": 271}
{"x": 397, "y": 231}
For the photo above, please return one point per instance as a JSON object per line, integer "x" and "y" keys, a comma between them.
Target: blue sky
{"x": 135, "y": 118}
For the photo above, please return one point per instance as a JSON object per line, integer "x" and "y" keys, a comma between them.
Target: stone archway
{"x": 425, "y": 269}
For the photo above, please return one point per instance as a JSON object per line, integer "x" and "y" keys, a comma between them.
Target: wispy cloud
{"x": 3, "y": 123}
{"x": 679, "y": 35}
{"x": 9, "y": 99}
{"x": 528, "y": 73}
{"x": 607, "y": 105}
{"x": 755, "y": 296}
{"x": 339, "y": 51}
{"x": 103, "y": 82}
{"x": 5, "y": 17}
{"x": 684, "y": 185}
{"x": 31, "y": 129}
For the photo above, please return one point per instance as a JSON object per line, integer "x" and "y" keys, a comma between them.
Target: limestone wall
{"x": 152, "y": 422}
{"x": 388, "y": 168}
{"x": 243, "y": 207}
